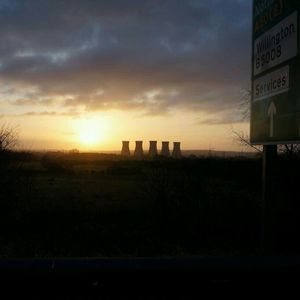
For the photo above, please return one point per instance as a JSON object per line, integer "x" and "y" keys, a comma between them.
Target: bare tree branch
{"x": 8, "y": 137}
{"x": 244, "y": 104}
{"x": 243, "y": 139}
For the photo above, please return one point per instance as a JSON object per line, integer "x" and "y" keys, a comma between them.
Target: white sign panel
{"x": 276, "y": 45}
{"x": 272, "y": 84}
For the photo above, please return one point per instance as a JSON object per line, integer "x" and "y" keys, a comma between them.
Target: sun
{"x": 89, "y": 137}
{"x": 89, "y": 132}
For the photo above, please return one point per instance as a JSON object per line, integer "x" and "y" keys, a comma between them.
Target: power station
{"x": 125, "y": 148}
{"x": 152, "y": 148}
{"x": 165, "y": 151}
{"x": 153, "y": 151}
{"x": 138, "y": 151}
{"x": 176, "y": 150}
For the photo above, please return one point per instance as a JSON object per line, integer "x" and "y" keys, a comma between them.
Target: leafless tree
{"x": 241, "y": 137}
{"x": 8, "y": 137}
{"x": 244, "y": 104}
{"x": 289, "y": 149}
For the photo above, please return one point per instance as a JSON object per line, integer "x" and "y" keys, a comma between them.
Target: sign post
{"x": 268, "y": 195}
{"x": 275, "y": 103}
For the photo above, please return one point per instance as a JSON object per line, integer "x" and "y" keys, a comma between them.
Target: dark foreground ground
{"x": 71, "y": 205}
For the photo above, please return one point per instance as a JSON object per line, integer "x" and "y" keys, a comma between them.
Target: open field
{"x": 71, "y": 205}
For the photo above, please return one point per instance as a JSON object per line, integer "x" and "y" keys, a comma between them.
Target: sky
{"x": 88, "y": 74}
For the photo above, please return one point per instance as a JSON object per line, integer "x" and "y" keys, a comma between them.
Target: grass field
{"x": 67, "y": 206}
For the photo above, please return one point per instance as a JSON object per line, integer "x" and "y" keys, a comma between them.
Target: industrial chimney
{"x": 138, "y": 151}
{"x": 153, "y": 148}
{"x": 165, "y": 149}
{"x": 125, "y": 148}
{"x": 176, "y": 150}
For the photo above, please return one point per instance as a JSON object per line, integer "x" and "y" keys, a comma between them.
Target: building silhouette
{"x": 176, "y": 150}
{"x": 152, "y": 148}
{"x": 152, "y": 152}
{"x": 165, "y": 149}
{"x": 138, "y": 151}
{"x": 125, "y": 148}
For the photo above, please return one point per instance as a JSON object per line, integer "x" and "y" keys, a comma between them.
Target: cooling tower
{"x": 125, "y": 148}
{"x": 153, "y": 148}
{"x": 165, "y": 149}
{"x": 138, "y": 151}
{"x": 176, "y": 150}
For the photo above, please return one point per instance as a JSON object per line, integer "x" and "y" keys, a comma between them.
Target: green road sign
{"x": 275, "y": 105}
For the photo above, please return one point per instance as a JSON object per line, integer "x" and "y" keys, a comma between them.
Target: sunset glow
{"x": 89, "y": 132}
{"x": 109, "y": 72}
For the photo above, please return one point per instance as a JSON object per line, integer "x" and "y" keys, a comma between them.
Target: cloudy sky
{"x": 87, "y": 74}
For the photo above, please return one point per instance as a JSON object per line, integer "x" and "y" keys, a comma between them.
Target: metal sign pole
{"x": 268, "y": 185}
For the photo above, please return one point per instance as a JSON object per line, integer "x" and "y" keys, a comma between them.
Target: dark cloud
{"x": 149, "y": 55}
{"x": 42, "y": 113}
{"x": 224, "y": 118}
